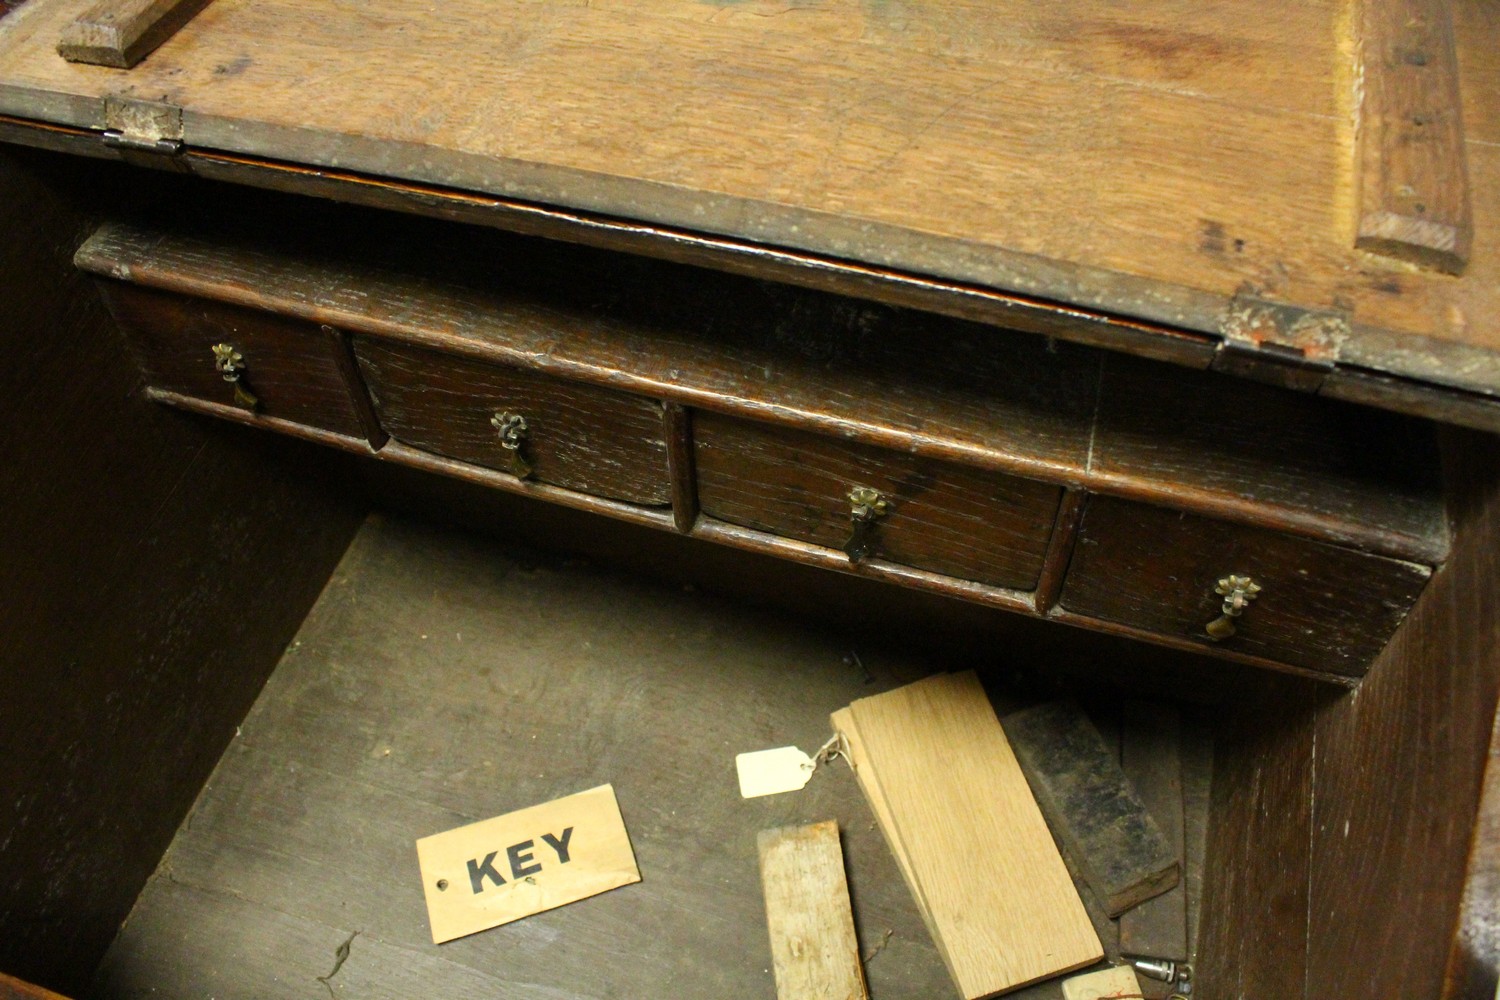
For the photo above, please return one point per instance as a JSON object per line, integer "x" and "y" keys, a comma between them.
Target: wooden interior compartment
{"x": 580, "y": 437}
{"x": 1320, "y": 606}
{"x": 297, "y": 371}
{"x": 966, "y": 523}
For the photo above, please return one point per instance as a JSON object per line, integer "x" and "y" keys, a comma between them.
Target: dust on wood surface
{"x": 813, "y": 945}
{"x": 1156, "y": 161}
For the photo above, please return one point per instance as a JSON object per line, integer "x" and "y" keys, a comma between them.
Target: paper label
{"x": 767, "y": 772}
{"x": 498, "y": 870}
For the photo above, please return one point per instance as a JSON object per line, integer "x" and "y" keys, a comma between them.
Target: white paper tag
{"x": 767, "y": 772}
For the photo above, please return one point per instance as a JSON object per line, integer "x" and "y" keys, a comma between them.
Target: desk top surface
{"x": 1158, "y": 161}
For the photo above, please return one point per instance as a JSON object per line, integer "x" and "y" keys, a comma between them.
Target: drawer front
{"x": 965, "y": 523}
{"x": 580, "y": 437}
{"x": 1319, "y": 606}
{"x": 291, "y": 368}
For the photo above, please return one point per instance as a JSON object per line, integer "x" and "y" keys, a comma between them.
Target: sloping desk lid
{"x": 1171, "y": 178}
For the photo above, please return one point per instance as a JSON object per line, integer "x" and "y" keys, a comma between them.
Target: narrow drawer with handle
{"x": 526, "y": 424}
{"x": 970, "y": 524}
{"x": 259, "y": 363}
{"x": 1250, "y": 590}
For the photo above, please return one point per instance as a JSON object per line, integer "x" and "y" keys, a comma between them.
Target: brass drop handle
{"x": 866, "y": 506}
{"x": 1238, "y": 592}
{"x": 230, "y": 364}
{"x": 512, "y": 428}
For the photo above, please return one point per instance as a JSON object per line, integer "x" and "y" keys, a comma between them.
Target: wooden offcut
{"x": 1151, "y": 757}
{"x": 813, "y": 944}
{"x": 1413, "y": 174}
{"x": 120, "y": 33}
{"x": 1097, "y": 815}
{"x": 983, "y": 867}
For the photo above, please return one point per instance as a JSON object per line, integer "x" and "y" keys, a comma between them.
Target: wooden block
{"x": 994, "y": 889}
{"x": 1413, "y": 174}
{"x": 1098, "y": 817}
{"x": 813, "y": 946}
{"x": 1104, "y": 985}
{"x": 120, "y": 33}
{"x": 1151, "y": 757}
{"x": 15, "y": 989}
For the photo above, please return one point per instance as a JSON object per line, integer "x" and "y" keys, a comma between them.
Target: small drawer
{"x": 965, "y": 523}
{"x": 581, "y": 437}
{"x": 280, "y": 367}
{"x": 1317, "y": 606}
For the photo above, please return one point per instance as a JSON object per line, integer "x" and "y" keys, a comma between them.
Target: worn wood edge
{"x": 1061, "y": 614}
{"x": 97, "y": 257}
{"x": 279, "y": 424}
{"x": 1473, "y": 968}
{"x": 128, "y": 254}
{"x": 1422, "y": 552}
{"x": 1478, "y": 411}
{"x": 1444, "y": 363}
{"x": 680, "y": 469}
{"x": 16, "y": 989}
{"x": 120, "y": 33}
{"x": 1392, "y": 100}
{"x": 753, "y": 540}
{"x": 1059, "y": 552}
{"x": 354, "y": 384}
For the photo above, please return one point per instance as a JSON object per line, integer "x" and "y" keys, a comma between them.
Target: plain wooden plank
{"x": 1093, "y": 810}
{"x": 1151, "y": 757}
{"x": 813, "y": 947}
{"x": 1413, "y": 173}
{"x": 975, "y": 839}
{"x": 1032, "y": 166}
{"x": 121, "y": 33}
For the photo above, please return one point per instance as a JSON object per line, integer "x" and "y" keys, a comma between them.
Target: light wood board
{"x": 1155, "y": 161}
{"x": 121, "y": 33}
{"x": 994, "y": 887}
{"x": 814, "y": 950}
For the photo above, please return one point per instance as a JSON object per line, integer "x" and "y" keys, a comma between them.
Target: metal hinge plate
{"x": 142, "y": 126}
{"x": 1280, "y": 344}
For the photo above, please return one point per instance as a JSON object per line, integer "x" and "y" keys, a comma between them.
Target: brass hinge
{"x": 142, "y": 126}
{"x": 1280, "y": 344}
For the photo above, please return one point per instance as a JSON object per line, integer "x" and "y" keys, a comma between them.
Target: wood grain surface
{"x": 1321, "y": 607}
{"x": 292, "y": 368}
{"x": 813, "y": 948}
{"x": 1151, "y": 757}
{"x": 579, "y": 437}
{"x": 121, "y": 33}
{"x": 1205, "y": 441}
{"x": 960, "y": 522}
{"x": 1474, "y": 960}
{"x": 996, "y": 891}
{"x": 140, "y": 546}
{"x": 1028, "y": 158}
{"x": 1413, "y": 172}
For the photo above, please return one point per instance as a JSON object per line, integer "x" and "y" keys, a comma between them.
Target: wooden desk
{"x": 1027, "y": 173}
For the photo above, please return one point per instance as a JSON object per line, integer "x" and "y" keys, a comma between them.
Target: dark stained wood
{"x": 1413, "y": 172}
{"x": 1059, "y": 549}
{"x": 1271, "y": 457}
{"x": 680, "y": 465}
{"x": 409, "y": 706}
{"x": 967, "y": 524}
{"x": 137, "y": 560}
{"x": 1321, "y": 607}
{"x": 1400, "y": 769}
{"x": 1095, "y": 813}
{"x": 343, "y": 353}
{"x": 1253, "y": 932}
{"x": 121, "y": 33}
{"x": 891, "y": 377}
{"x": 292, "y": 369}
{"x": 579, "y": 437}
{"x": 1474, "y": 960}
